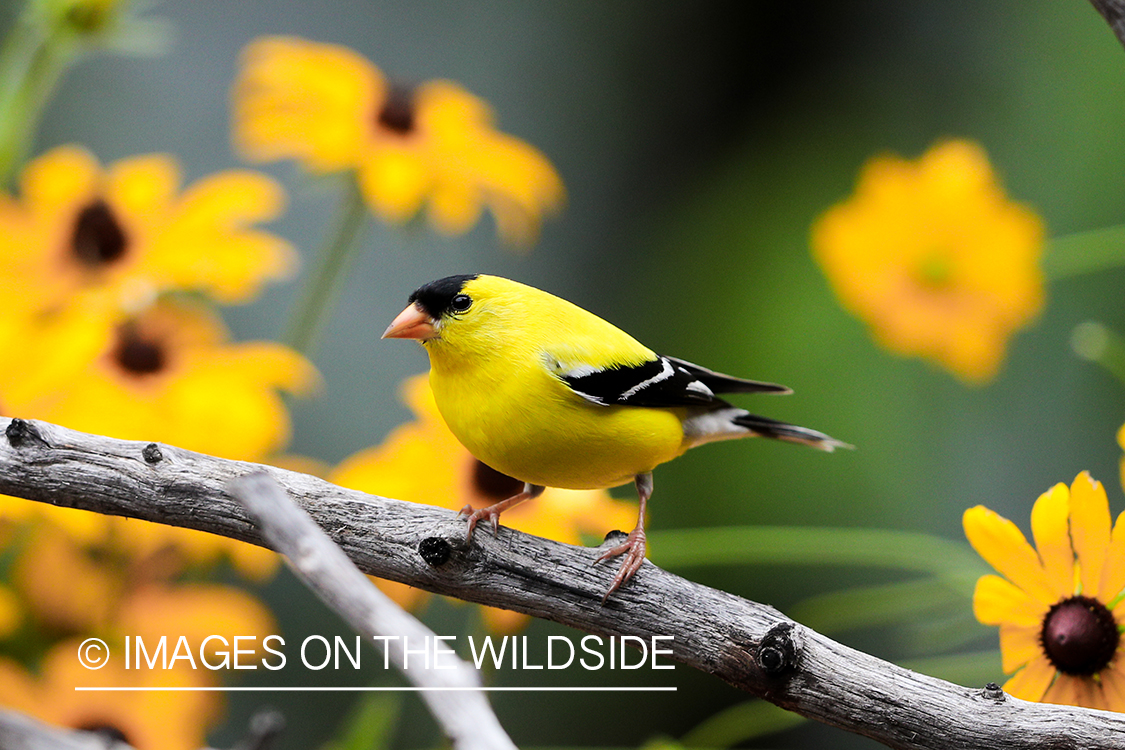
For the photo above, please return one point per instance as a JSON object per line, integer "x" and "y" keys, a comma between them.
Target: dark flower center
{"x": 137, "y": 355}
{"x": 492, "y": 484}
{"x": 397, "y": 113}
{"x": 1079, "y": 636}
{"x": 107, "y": 732}
{"x": 98, "y": 238}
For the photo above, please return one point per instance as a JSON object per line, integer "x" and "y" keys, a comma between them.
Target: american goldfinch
{"x": 546, "y": 392}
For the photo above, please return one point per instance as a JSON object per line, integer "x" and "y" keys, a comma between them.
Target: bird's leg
{"x": 492, "y": 512}
{"x": 634, "y": 545}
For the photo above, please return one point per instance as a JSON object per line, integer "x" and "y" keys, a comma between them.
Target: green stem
{"x": 1094, "y": 342}
{"x": 33, "y": 60}
{"x": 800, "y": 545}
{"x": 323, "y": 287}
{"x": 1085, "y": 252}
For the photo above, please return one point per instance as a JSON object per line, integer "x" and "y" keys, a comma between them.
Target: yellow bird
{"x": 546, "y": 392}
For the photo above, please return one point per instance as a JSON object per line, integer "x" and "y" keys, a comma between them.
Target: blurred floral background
{"x": 908, "y": 212}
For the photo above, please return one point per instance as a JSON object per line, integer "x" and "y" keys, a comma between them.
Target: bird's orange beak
{"x": 411, "y": 323}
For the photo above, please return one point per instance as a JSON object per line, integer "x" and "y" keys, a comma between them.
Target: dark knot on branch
{"x": 777, "y": 652}
{"x": 435, "y": 550}
{"x": 19, "y": 433}
{"x": 993, "y": 692}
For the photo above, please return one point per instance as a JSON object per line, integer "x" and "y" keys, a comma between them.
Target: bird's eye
{"x": 460, "y": 303}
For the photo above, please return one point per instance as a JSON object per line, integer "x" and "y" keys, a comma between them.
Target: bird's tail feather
{"x": 777, "y": 430}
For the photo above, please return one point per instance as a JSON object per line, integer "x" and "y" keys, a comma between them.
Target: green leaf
{"x": 974, "y": 668}
{"x": 883, "y": 604}
{"x": 1085, "y": 252}
{"x": 371, "y": 724}
{"x": 800, "y": 545}
{"x": 739, "y": 723}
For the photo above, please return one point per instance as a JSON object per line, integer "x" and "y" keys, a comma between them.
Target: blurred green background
{"x": 698, "y": 142}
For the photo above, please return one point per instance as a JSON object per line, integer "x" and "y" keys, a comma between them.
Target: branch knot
{"x": 777, "y": 652}
{"x": 435, "y": 550}
{"x": 19, "y": 432}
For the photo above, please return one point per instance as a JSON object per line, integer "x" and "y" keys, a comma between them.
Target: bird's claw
{"x": 633, "y": 548}
{"x": 475, "y": 516}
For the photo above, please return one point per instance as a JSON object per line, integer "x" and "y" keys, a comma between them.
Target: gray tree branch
{"x": 464, "y": 714}
{"x": 1113, "y": 11}
{"x": 19, "y": 732}
{"x": 749, "y": 645}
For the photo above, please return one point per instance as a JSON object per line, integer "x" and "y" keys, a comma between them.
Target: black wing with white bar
{"x": 661, "y": 382}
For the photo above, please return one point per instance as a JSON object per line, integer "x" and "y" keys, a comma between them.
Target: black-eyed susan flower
{"x": 65, "y": 586}
{"x": 402, "y": 467}
{"x": 196, "y": 612}
{"x": 1061, "y": 606}
{"x": 433, "y": 144}
{"x": 170, "y": 374}
{"x": 128, "y": 232}
{"x": 77, "y": 585}
{"x": 145, "y": 718}
{"x": 935, "y": 258}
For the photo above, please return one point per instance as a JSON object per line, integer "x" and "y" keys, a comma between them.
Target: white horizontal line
{"x": 361, "y": 689}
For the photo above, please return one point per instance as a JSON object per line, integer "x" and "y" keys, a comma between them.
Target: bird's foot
{"x": 633, "y": 548}
{"x": 477, "y": 515}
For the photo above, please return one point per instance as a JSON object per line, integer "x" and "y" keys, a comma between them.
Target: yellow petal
{"x": 1004, "y": 547}
{"x": 1096, "y": 695}
{"x": 18, "y": 690}
{"x": 61, "y": 175}
{"x": 394, "y": 183}
{"x": 1113, "y": 573}
{"x": 454, "y": 208}
{"x": 503, "y": 621}
{"x": 1031, "y": 682}
{"x": 1113, "y": 684}
{"x": 308, "y": 101}
{"x": 196, "y": 611}
{"x": 63, "y": 584}
{"x": 1089, "y": 528}
{"x": 144, "y": 185}
{"x": 216, "y": 213}
{"x": 1019, "y": 645}
{"x": 997, "y": 601}
{"x": 406, "y": 596}
{"x": 1069, "y": 691}
{"x": 1050, "y": 525}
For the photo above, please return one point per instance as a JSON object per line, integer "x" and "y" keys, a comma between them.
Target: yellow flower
{"x": 935, "y": 259}
{"x": 197, "y": 611}
{"x": 65, "y": 587}
{"x": 146, "y": 720}
{"x": 331, "y": 109}
{"x": 423, "y": 462}
{"x": 127, "y": 231}
{"x": 72, "y": 585}
{"x": 146, "y": 541}
{"x": 1060, "y": 607}
{"x": 166, "y": 374}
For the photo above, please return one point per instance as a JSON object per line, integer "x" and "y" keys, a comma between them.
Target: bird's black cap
{"x": 435, "y": 297}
